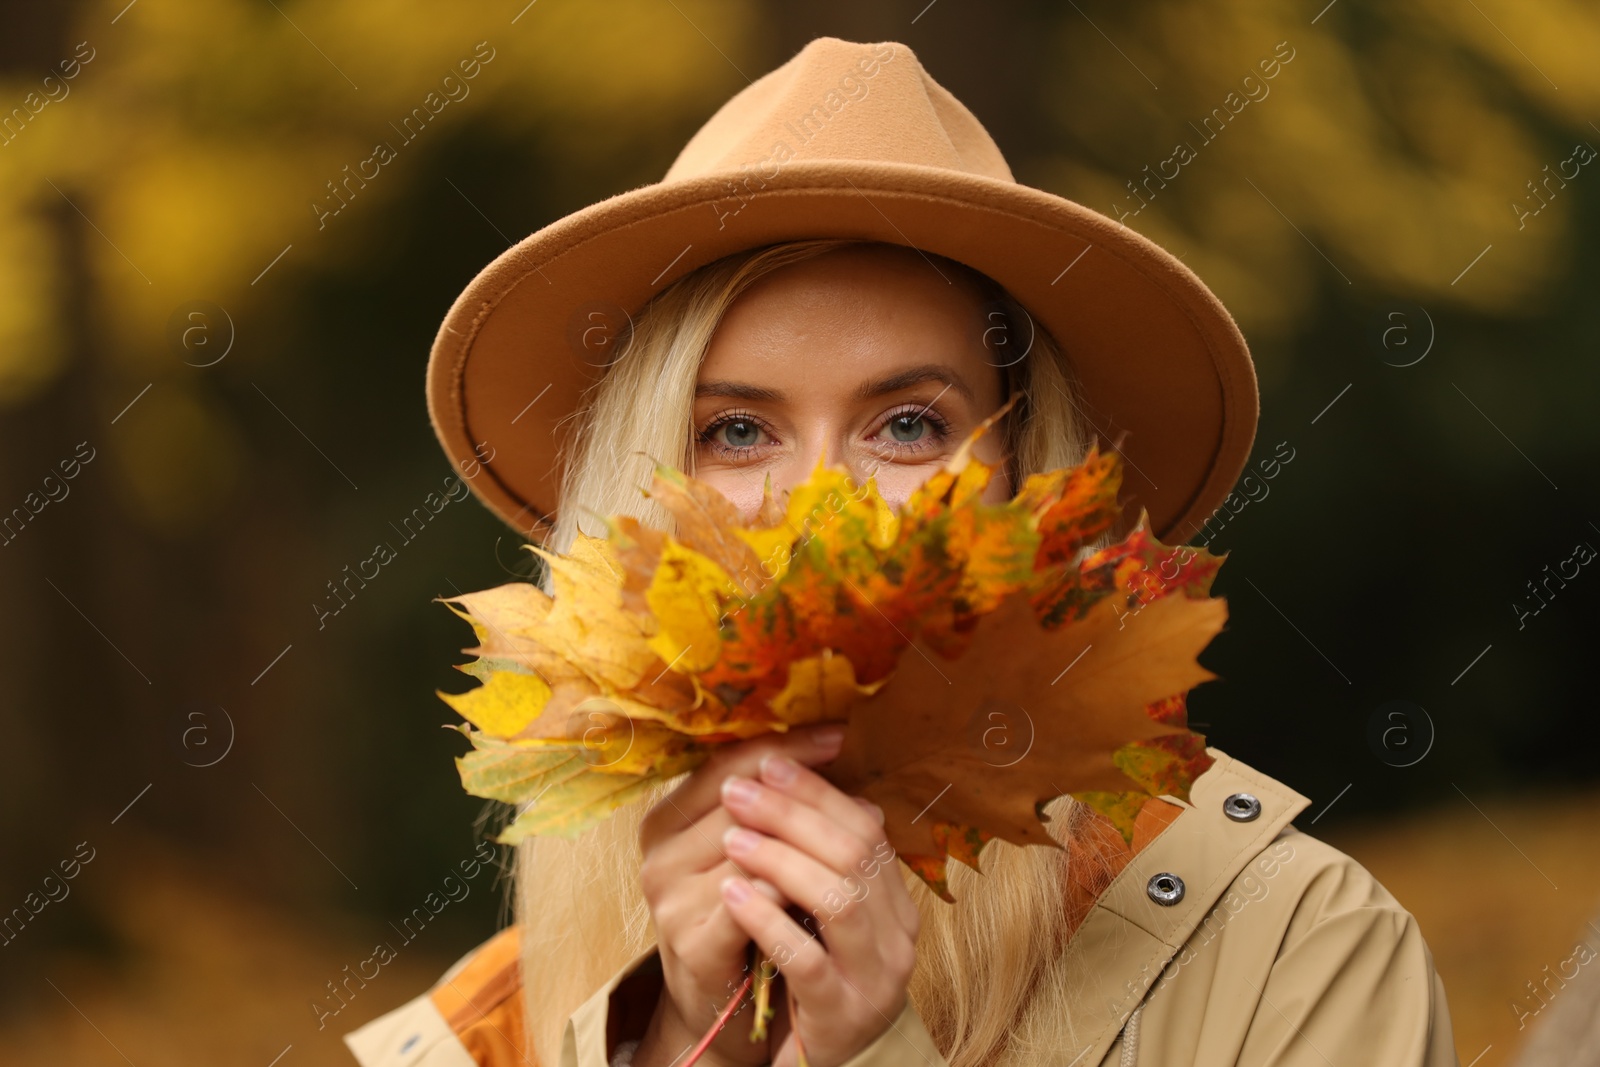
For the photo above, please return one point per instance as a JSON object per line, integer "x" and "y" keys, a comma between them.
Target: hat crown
{"x": 840, "y": 100}
{"x": 853, "y": 141}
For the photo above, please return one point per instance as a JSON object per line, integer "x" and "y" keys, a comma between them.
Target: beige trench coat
{"x": 1280, "y": 951}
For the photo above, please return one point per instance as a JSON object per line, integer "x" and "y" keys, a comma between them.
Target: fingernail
{"x": 735, "y": 890}
{"x": 830, "y": 738}
{"x": 740, "y": 792}
{"x": 779, "y": 770}
{"x": 739, "y": 841}
{"x": 870, "y": 808}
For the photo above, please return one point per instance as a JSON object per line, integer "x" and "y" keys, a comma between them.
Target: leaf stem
{"x": 722, "y": 1021}
{"x": 766, "y": 971}
{"x": 794, "y": 1027}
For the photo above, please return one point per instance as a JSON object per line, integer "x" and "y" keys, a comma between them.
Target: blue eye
{"x": 741, "y": 439}
{"x": 913, "y": 430}
{"x": 917, "y": 427}
{"x": 741, "y": 433}
{"x": 908, "y": 428}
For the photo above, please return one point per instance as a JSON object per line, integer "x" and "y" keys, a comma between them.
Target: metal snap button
{"x": 1165, "y": 888}
{"x": 1241, "y": 807}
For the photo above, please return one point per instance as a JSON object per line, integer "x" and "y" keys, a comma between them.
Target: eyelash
{"x": 938, "y": 426}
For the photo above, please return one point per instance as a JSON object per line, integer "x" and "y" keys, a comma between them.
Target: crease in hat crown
{"x": 858, "y": 141}
{"x": 896, "y": 113}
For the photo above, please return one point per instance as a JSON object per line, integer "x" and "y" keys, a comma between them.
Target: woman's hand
{"x": 703, "y": 950}
{"x": 825, "y": 852}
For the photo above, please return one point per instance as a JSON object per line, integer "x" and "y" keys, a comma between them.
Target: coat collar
{"x": 1120, "y": 946}
{"x": 1127, "y": 938}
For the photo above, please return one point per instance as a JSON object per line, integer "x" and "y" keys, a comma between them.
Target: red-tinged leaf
{"x": 1083, "y": 507}
{"x": 917, "y": 627}
{"x": 961, "y": 842}
{"x": 1165, "y": 765}
{"x": 931, "y": 869}
{"x": 1119, "y": 808}
{"x": 1172, "y": 710}
{"x": 705, "y": 521}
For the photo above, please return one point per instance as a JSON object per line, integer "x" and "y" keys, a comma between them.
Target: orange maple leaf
{"x": 924, "y": 747}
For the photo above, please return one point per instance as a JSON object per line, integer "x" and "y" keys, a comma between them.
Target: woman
{"x": 839, "y": 265}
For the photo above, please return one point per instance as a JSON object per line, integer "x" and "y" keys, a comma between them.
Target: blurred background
{"x": 211, "y": 403}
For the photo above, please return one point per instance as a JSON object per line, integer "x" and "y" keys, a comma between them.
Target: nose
{"x": 803, "y": 464}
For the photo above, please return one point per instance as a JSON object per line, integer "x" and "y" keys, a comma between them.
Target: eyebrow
{"x": 925, "y": 372}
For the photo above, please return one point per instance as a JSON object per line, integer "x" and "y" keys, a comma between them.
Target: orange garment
{"x": 483, "y": 1002}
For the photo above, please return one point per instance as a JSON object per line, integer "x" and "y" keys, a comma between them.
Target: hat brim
{"x": 1156, "y": 355}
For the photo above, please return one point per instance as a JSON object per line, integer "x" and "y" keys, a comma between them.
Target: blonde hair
{"x": 988, "y": 981}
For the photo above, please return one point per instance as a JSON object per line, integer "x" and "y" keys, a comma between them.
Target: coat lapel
{"x": 1125, "y": 941}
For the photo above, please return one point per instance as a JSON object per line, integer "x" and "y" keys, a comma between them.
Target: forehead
{"x": 873, "y": 270}
{"x": 853, "y": 302}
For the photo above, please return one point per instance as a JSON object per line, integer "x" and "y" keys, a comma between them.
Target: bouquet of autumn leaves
{"x": 984, "y": 660}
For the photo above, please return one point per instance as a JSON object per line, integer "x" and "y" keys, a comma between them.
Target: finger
{"x": 693, "y": 850}
{"x": 898, "y": 891}
{"x": 798, "y": 955}
{"x": 690, "y": 899}
{"x": 679, "y": 877}
{"x": 870, "y": 808}
{"x": 819, "y": 978}
{"x": 808, "y": 787}
{"x": 899, "y": 894}
{"x": 845, "y": 847}
{"x": 696, "y": 850}
{"x": 693, "y": 923}
{"x": 700, "y": 792}
{"x": 842, "y": 908}
{"x": 779, "y": 811}
{"x": 700, "y": 850}
{"x": 905, "y": 907}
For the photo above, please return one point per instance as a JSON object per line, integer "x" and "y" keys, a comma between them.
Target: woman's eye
{"x": 734, "y": 433}
{"x": 908, "y": 428}
{"x": 740, "y": 433}
{"x": 917, "y": 430}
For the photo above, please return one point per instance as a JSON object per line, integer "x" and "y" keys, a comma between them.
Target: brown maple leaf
{"x": 923, "y": 748}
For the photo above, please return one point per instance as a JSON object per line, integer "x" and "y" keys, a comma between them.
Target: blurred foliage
{"x": 1375, "y": 171}
{"x": 200, "y": 134}
{"x": 182, "y": 165}
{"x": 1383, "y": 154}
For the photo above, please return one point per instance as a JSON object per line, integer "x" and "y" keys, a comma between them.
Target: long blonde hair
{"x": 988, "y": 981}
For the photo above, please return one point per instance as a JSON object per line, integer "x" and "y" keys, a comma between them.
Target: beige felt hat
{"x": 855, "y": 141}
